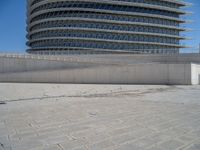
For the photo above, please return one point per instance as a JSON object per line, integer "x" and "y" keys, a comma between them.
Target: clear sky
{"x": 13, "y": 25}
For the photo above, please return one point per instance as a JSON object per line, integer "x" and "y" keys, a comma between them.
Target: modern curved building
{"x": 104, "y": 26}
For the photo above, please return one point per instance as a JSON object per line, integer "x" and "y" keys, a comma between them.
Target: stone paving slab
{"x": 99, "y": 117}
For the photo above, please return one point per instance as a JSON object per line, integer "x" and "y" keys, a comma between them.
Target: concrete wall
{"x": 179, "y": 58}
{"x": 22, "y": 64}
{"x": 195, "y": 74}
{"x": 132, "y": 74}
{"x": 96, "y": 70}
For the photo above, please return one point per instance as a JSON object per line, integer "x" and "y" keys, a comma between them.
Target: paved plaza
{"x": 99, "y": 117}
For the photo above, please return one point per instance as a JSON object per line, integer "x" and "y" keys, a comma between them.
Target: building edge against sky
{"x": 107, "y": 26}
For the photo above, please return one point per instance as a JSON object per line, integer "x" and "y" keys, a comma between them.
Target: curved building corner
{"x": 104, "y": 26}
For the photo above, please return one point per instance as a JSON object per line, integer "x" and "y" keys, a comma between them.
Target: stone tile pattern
{"x": 112, "y": 121}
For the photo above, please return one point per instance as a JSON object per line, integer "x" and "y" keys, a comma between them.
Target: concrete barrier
{"x": 94, "y": 69}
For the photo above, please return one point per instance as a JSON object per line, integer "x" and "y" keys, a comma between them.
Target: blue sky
{"x": 13, "y": 24}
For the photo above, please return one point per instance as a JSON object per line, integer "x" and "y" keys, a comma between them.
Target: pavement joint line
{"x": 108, "y": 94}
{"x": 181, "y": 124}
{"x": 2, "y": 145}
{"x": 60, "y": 147}
{"x": 36, "y": 98}
{"x": 190, "y": 144}
{"x": 2, "y": 102}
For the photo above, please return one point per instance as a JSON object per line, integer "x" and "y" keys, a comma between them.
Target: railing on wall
{"x": 75, "y": 57}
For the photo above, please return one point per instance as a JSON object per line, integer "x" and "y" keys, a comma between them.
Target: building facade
{"x": 104, "y": 26}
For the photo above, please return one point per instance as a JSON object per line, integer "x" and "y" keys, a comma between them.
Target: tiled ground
{"x": 98, "y": 117}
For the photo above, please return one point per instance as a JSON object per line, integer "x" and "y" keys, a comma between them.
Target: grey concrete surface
{"x": 99, "y": 117}
{"x": 115, "y": 69}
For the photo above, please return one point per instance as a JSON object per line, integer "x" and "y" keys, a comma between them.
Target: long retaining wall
{"x": 92, "y": 69}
